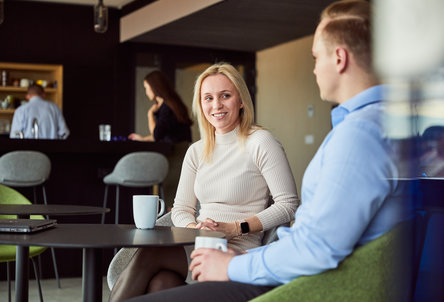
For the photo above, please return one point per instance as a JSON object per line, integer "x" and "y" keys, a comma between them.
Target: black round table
{"x": 92, "y": 238}
{"x": 25, "y": 210}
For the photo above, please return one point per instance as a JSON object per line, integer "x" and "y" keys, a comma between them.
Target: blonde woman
{"x": 231, "y": 171}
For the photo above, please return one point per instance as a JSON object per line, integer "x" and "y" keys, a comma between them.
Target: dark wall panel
{"x": 38, "y": 32}
{"x": 98, "y": 82}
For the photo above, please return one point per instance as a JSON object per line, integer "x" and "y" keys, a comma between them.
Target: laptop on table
{"x": 25, "y": 225}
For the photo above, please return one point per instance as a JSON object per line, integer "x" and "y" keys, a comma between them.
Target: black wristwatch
{"x": 245, "y": 228}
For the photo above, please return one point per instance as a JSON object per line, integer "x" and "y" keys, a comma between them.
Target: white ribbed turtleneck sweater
{"x": 236, "y": 184}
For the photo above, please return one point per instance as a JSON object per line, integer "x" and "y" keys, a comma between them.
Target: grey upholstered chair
{"x": 27, "y": 169}
{"x": 123, "y": 257}
{"x": 138, "y": 170}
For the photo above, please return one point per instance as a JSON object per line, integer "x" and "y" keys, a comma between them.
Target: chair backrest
{"x": 143, "y": 167}
{"x": 11, "y": 196}
{"x": 377, "y": 271}
{"x": 24, "y": 168}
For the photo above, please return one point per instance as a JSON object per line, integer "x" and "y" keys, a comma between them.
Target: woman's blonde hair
{"x": 246, "y": 114}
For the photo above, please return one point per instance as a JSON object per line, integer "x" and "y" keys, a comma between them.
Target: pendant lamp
{"x": 100, "y": 17}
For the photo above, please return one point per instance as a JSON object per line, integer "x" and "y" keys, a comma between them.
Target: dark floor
{"x": 70, "y": 291}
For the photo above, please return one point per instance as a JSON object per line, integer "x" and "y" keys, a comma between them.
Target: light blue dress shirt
{"x": 51, "y": 123}
{"x": 349, "y": 197}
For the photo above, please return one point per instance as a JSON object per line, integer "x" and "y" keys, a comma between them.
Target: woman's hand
{"x": 230, "y": 229}
{"x": 192, "y": 226}
{"x": 140, "y": 138}
{"x": 135, "y": 137}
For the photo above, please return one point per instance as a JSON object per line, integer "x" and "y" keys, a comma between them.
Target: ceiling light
{"x": 100, "y": 17}
{"x": 2, "y": 11}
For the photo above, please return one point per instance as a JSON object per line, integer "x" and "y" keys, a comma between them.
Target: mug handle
{"x": 162, "y": 207}
{"x": 222, "y": 247}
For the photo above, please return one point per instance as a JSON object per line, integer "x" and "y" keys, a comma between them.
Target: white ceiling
{"x": 111, "y": 3}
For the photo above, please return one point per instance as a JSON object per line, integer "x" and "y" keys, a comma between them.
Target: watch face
{"x": 245, "y": 228}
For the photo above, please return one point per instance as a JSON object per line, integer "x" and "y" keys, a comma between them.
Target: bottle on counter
{"x": 5, "y": 78}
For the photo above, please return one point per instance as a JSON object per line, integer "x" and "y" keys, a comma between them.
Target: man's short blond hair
{"x": 348, "y": 23}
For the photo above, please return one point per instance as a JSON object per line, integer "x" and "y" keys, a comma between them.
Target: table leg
{"x": 92, "y": 275}
{"x": 21, "y": 273}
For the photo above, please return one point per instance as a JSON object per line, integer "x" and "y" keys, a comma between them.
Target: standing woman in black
{"x": 168, "y": 118}
{"x": 168, "y": 121}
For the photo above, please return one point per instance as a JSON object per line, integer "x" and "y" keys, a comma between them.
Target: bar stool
{"x": 137, "y": 170}
{"x": 27, "y": 169}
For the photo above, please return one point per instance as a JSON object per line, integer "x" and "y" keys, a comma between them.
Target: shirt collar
{"x": 362, "y": 99}
{"x": 35, "y": 98}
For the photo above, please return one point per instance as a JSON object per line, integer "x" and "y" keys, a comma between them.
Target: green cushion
{"x": 7, "y": 252}
{"x": 11, "y": 196}
{"x": 368, "y": 274}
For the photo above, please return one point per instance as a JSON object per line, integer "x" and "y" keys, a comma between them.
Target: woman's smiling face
{"x": 220, "y": 103}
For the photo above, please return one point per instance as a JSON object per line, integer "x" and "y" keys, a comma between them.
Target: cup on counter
{"x": 105, "y": 132}
{"x": 146, "y": 210}
{"x": 210, "y": 242}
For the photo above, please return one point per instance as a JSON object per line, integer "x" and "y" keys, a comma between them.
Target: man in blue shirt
{"x": 349, "y": 192}
{"x": 38, "y": 118}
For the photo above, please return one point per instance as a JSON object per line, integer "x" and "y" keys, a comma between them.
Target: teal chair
{"x": 378, "y": 271}
{"x": 7, "y": 252}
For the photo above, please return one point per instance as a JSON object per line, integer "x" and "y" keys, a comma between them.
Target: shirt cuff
{"x": 238, "y": 268}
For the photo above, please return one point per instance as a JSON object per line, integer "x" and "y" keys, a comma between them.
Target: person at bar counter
{"x": 168, "y": 121}
{"x": 168, "y": 118}
{"x": 38, "y": 119}
{"x": 349, "y": 193}
{"x": 231, "y": 171}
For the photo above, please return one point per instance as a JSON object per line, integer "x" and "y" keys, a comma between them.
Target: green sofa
{"x": 376, "y": 272}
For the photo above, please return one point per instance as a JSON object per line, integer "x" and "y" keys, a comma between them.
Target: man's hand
{"x": 210, "y": 264}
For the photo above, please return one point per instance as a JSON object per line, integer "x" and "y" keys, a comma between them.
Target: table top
{"x": 50, "y": 209}
{"x": 106, "y": 236}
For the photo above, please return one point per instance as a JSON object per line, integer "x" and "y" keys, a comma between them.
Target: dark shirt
{"x": 168, "y": 128}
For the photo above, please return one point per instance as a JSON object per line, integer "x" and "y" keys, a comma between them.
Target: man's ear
{"x": 342, "y": 58}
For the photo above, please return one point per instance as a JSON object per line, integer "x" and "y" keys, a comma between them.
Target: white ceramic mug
{"x": 146, "y": 210}
{"x": 210, "y": 242}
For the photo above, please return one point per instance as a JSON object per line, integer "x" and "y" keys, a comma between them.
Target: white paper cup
{"x": 210, "y": 242}
{"x": 146, "y": 210}
{"x": 105, "y": 132}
